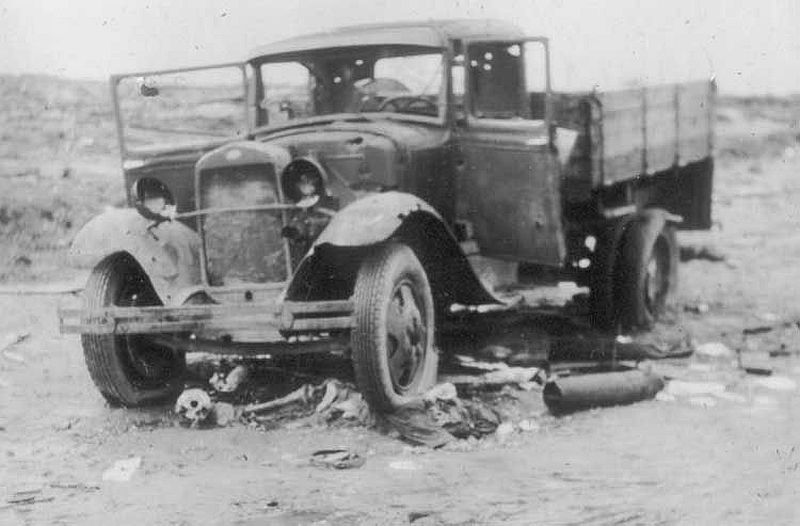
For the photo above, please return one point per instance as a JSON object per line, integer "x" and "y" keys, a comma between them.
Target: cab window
{"x": 507, "y": 80}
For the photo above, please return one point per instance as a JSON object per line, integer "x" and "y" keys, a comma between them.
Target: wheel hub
{"x": 406, "y": 335}
{"x": 656, "y": 278}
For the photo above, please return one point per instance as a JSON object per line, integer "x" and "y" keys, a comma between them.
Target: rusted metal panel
{"x": 169, "y": 252}
{"x": 510, "y": 191}
{"x": 623, "y": 135}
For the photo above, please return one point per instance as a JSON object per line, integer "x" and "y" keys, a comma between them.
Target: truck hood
{"x": 357, "y": 154}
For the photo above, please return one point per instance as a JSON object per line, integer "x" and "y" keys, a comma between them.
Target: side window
{"x": 507, "y": 80}
{"x": 458, "y": 81}
{"x": 536, "y": 78}
{"x": 495, "y": 73}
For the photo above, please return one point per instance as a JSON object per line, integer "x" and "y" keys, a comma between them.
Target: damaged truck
{"x": 349, "y": 191}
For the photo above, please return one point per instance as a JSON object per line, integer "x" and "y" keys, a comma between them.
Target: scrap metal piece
{"x": 573, "y": 393}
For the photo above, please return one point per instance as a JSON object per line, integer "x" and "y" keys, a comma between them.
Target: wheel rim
{"x": 406, "y": 336}
{"x": 150, "y": 365}
{"x": 657, "y": 277}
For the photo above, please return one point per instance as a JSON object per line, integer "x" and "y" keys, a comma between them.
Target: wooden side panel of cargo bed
{"x": 694, "y": 121}
{"x": 661, "y": 127}
{"x": 623, "y": 138}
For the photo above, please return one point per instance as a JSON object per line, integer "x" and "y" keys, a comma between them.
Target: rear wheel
{"x": 393, "y": 341}
{"x": 128, "y": 370}
{"x": 648, "y": 273}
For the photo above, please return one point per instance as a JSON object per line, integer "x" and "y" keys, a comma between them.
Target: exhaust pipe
{"x": 574, "y": 393}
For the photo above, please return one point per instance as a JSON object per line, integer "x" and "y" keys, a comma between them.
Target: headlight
{"x": 153, "y": 199}
{"x": 303, "y": 181}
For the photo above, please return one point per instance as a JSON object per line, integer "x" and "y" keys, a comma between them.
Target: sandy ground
{"x": 732, "y": 457}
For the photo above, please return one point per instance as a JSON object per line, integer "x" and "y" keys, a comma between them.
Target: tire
{"x": 394, "y": 356}
{"x": 648, "y": 272}
{"x": 128, "y": 370}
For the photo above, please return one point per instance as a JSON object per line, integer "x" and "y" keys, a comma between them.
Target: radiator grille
{"x": 246, "y": 246}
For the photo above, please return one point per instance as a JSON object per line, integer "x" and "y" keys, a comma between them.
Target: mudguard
{"x": 169, "y": 253}
{"x": 330, "y": 267}
{"x": 373, "y": 219}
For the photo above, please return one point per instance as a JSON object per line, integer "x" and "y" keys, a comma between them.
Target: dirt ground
{"x": 729, "y": 455}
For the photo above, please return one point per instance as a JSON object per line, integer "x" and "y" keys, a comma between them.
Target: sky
{"x": 749, "y": 47}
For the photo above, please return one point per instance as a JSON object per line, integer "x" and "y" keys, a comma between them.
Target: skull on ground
{"x": 193, "y": 406}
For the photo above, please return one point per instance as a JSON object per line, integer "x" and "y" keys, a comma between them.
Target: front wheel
{"x": 393, "y": 340}
{"x": 128, "y": 370}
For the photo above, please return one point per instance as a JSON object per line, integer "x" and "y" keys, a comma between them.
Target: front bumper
{"x": 212, "y": 321}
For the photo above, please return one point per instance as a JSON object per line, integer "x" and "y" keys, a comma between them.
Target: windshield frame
{"x": 374, "y": 52}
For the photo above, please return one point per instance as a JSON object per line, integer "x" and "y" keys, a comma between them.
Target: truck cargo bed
{"x": 659, "y": 132}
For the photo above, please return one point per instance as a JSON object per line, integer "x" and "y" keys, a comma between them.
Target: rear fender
{"x": 329, "y": 269}
{"x": 168, "y": 253}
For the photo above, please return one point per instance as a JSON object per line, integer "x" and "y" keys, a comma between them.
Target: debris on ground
{"x": 777, "y": 383}
{"x": 769, "y": 317}
{"x": 193, "y": 406}
{"x": 497, "y": 373}
{"x": 302, "y": 395}
{"x": 223, "y": 414}
{"x": 703, "y": 401}
{"x": 122, "y": 470}
{"x": 689, "y": 252}
{"x": 342, "y": 402}
{"x": 684, "y": 388}
{"x": 575, "y": 393}
{"x": 749, "y": 331}
{"x": 9, "y": 340}
{"x": 758, "y": 371}
{"x": 414, "y": 425}
{"x": 780, "y": 353}
{"x": 230, "y": 382}
{"x": 697, "y": 308}
{"x": 404, "y": 465}
{"x": 714, "y": 350}
{"x": 28, "y": 496}
{"x": 414, "y": 516}
{"x": 503, "y": 431}
{"x": 441, "y": 416}
{"x": 337, "y": 459}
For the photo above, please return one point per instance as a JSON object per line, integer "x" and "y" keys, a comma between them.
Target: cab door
{"x": 507, "y": 169}
{"x": 166, "y": 120}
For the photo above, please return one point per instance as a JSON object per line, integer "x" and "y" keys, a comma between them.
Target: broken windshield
{"x": 394, "y": 80}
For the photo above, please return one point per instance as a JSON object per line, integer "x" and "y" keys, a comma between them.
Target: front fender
{"x": 330, "y": 268}
{"x": 372, "y": 219}
{"x": 168, "y": 253}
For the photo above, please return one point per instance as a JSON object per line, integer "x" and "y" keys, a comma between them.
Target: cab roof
{"x": 432, "y": 33}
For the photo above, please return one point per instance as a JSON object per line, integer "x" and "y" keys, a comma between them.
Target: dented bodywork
{"x": 169, "y": 252}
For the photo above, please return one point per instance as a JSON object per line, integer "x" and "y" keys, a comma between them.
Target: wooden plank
{"x": 661, "y": 128}
{"x": 623, "y": 138}
{"x": 694, "y": 126}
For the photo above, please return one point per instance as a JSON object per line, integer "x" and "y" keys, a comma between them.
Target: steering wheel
{"x": 405, "y": 102}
